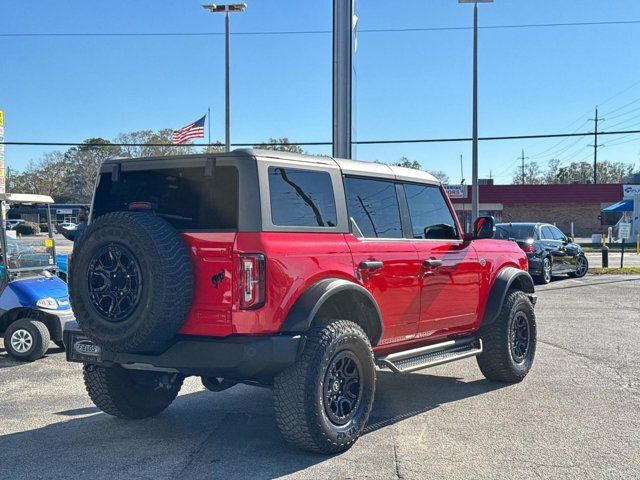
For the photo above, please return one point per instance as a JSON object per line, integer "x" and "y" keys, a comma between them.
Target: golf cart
{"x": 34, "y": 302}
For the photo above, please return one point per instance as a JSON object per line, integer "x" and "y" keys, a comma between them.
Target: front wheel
{"x": 26, "y": 340}
{"x": 509, "y": 344}
{"x": 582, "y": 267}
{"x": 323, "y": 401}
{"x": 130, "y": 394}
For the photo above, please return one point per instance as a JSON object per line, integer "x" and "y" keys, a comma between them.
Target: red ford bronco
{"x": 304, "y": 274}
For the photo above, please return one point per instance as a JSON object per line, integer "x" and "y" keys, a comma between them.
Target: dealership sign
{"x": 456, "y": 191}
{"x": 630, "y": 191}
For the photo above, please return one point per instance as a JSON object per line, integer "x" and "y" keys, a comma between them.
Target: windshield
{"x": 29, "y": 253}
{"x": 505, "y": 231}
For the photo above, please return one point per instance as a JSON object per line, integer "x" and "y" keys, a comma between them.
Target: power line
{"x": 315, "y": 32}
{"x": 361, "y": 142}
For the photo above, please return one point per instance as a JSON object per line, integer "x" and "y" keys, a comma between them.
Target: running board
{"x": 431, "y": 355}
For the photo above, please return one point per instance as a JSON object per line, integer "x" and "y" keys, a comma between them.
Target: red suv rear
{"x": 302, "y": 273}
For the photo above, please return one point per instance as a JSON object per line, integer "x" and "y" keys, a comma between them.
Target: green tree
{"x": 407, "y": 163}
{"x": 277, "y": 144}
{"x": 147, "y": 143}
{"x": 47, "y": 176}
{"x": 533, "y": 174}
{"x": 83, "y": 164}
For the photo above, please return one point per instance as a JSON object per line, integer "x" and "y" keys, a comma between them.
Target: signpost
{"x": 624, "y": 233}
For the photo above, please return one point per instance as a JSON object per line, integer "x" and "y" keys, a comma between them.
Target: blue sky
{"x": 409, "y": 85}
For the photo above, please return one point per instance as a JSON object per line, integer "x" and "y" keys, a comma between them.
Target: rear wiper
{"x": 175, "y": 217}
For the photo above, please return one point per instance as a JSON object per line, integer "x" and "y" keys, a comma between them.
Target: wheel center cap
{"x": 336, "y": 386}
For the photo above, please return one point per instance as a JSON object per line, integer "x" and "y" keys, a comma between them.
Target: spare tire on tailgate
{"x": 131, "y": 282}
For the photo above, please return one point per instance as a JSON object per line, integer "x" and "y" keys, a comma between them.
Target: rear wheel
{"x": 323, "y": 401}
{"x": 509, "y": 344}
{"x": 26, "y": 340}
{"x": 130, "y": 394}
{"x": 547, "y": 271}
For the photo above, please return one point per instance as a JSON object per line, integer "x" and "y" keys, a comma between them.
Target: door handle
{"x": 370, "y": 265}
{"x": 432, "y": 263}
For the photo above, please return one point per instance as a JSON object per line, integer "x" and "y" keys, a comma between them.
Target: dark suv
{"x": 303, "y": 274}
{"x": 550, "y": 252}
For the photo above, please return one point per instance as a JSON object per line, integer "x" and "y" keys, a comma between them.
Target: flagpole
{"x": 209, "y": 124}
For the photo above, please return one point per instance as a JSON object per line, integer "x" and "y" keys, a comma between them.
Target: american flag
{"x": 193, "y": 130}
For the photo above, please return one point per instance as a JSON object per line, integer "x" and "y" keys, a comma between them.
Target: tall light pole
{"x": 236, "y": 7}
{"x": 475, "y": 202}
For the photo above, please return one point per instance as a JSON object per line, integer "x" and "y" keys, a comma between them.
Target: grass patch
{"x": 615, "y": 271}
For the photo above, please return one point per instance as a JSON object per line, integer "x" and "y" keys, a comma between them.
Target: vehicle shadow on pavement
{"x": 6, "y": 361}
{"x": 230, "y": 434}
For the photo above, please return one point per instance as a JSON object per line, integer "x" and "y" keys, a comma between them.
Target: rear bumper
{"x": 238, "y": 357}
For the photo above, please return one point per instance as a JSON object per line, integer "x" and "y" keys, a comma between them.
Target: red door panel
{"x": 450, "y": 290}
{"x": 395, "y": 286}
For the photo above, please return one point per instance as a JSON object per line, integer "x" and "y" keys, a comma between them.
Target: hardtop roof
{"x": 348, "y": 167}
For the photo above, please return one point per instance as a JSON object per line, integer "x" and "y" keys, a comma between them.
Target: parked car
{"x": 68, "y": 225}
{"x": 13, "y": 223}
{"x": 34, "y": 303}
{"x": 298, "y": 273}
{"x": 549, "y": 251}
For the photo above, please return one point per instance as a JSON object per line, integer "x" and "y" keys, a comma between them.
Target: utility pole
{"x": 595, "y": 146}
{"x": 342, "y": 64}
{"x": 475, "y": 191}
{"x": 523, "y": 158}
{"x": 461, "y": 171}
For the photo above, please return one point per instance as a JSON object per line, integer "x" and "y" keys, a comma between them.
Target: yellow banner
{"x": 1, "y": 118}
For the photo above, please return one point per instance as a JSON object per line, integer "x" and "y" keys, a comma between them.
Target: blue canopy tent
{"x": 621, "y": 206}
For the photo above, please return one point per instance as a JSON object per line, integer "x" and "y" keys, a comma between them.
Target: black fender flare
{"x": 508, "y": 277}
{"x": 304, "y": 310}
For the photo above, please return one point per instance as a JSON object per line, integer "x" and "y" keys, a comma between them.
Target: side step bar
{"x": 430, "y": 356}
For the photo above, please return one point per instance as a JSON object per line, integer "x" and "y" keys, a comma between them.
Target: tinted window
{"x": 430, "y": 214}
{"x": 547, "y": 234}
{"x": 505, "y": 231}
{"x": 373, "y": 204}
{"x": 557, "y": 234}
{"x": 185, "y": 197}
{"x": 301, "y": 198}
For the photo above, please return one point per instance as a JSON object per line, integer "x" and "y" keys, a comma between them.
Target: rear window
{"x": 185, "y": 197}
{"x": 517, "y": 232}
{"x": 301, "y": 198}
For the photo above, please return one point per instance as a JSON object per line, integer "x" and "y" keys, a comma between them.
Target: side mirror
{"x": 484, "y": 227}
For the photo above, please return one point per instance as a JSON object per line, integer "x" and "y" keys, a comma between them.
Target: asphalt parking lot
{"x": 577, "y": 415}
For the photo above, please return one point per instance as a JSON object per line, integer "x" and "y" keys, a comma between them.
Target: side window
{"x": 301, "y": 198}
{"x": 547, "y": 234}
{"x": 557, "y": 234}
{"x": 373, "y": 204}
{"x": 429, "y": 212}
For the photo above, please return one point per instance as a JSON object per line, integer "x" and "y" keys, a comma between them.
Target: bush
{"x": 27, "y": 228}
{"x": 44, "y": 228}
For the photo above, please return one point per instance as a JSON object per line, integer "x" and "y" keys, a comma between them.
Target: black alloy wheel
{"x": 114, "y": 280}
{"x": 520, "y": 336}
{"x": 342, "y": 387}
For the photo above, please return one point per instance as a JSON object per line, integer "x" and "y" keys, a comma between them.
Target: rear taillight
{"x": 527, "y": 246}
{"x": 252, "y": 280}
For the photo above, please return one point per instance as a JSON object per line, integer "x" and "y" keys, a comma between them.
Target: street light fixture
{"x": 475, "y": 203}
{"x": 226, "y": 9}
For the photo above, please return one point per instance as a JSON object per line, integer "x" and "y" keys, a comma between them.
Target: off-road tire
{"x": 130, "y": 394}
{"x": 497, "y": 360}
{"x": 38, "y": 334}
{"x": 298, "y": 391}
{"x": 166, "y": 282}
